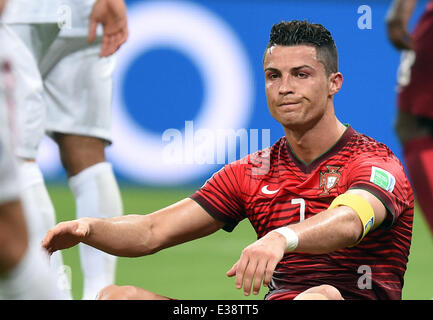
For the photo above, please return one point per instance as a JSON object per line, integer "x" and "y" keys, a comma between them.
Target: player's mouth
{"x": 289, "y": 103}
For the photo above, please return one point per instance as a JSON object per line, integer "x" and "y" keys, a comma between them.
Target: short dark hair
{"x": 292, "y": 33}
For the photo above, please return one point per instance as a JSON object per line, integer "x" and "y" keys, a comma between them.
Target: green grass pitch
{"x": 196, "y": 270}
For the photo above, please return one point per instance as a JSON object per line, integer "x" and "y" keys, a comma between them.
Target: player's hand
{"x": 112, "y": 15}
{"x": 398, "y": 34}
{"x": 257, "y": 263}
{"x": 66, "y": 235}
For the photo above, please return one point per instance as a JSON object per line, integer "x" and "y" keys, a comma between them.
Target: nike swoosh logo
{"x": 266, "y": 191}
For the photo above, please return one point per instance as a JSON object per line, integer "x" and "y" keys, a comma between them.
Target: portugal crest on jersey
{"x": 329, "y": 179}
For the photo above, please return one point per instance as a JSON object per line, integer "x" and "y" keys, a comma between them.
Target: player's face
{"x": 298, "y": 90}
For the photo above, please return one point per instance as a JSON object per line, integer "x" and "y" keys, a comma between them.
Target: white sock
{"x": 31, "y": 279}
{"x": 40, "y": 216}
{"x": 97, "y": 195}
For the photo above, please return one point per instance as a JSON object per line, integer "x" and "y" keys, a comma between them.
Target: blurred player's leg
{"x": 24, "y": 268}
{"x": 96, "y": 193}
{"x": 29, "y": 43}
{"x": 13, "y": 235}
{"x": 40, "y": 215}
{"x": 416, "y": 135}
{"x": 24, "y": 271}
{"x": 79, "y": 119}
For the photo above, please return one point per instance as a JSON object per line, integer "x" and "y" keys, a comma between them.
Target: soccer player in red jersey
{"x": 415, "y": 97}
{"x": 332, "y": 208}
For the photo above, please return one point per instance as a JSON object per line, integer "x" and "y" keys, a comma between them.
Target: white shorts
{"x": 63, "y": 86}
{"x": 28, "y": 87}
{"x": 78, "y": 88}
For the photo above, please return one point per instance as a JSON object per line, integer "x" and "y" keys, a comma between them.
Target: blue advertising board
{"x": 188, "y": 92}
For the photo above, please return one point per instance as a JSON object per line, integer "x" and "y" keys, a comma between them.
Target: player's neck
{"x": 309, "y": 144}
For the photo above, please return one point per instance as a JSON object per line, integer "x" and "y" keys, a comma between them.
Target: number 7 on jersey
{"x": 301, "y": 203}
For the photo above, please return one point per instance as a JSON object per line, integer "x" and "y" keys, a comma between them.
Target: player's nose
{"x": 286, "y": 85}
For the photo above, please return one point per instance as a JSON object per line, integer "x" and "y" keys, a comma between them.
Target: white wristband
{"x": 291, "y": 237}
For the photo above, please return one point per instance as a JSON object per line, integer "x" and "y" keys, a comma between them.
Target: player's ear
{"x": 335, "y": 82}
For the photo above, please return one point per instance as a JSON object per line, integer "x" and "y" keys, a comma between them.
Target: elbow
{"x": 139, "y": 239}
{"x": 148, "y": 249}
{"x": 347, "y": 233}
{"x": 353, "y": 229}
{"x": 137, "y": 251}
{"x": 150, "y": 240}
{"x": 328, "y": 232}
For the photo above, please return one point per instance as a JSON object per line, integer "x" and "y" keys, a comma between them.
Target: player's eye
{"x": 302, "y": 75}
{"x": 272, "y": 75}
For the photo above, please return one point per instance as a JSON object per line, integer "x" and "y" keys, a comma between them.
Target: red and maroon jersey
{"x": 273, "y": 188}
{"x": 417, "y": 96}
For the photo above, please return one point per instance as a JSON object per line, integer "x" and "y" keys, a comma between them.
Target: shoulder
{"x": 374, "y": 162}
{"x": 362, "y": 144}
{"x": 364, "y": 150}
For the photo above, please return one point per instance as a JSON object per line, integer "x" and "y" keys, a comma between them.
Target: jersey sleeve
{"x": 384, "y": 177}
{"x": 221, "y": 196}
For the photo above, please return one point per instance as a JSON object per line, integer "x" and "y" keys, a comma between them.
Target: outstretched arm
{"x": 135, "y": 235}
{"x": 397, "y": 21}
{"x": 112, "y": 15}
{"x": 324, "y": 232}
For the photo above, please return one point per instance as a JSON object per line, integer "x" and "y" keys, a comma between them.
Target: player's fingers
{"x": 50, "y": 239}
{"x": 268, "y": 276}
{"x": 269, "y": 271}
{"x": 110, "y": 45}
{"x": 107, "y": 46}
{"x": 117, "y": 42}
{"x": 46, "y": 242}
{"x": 232, "y": 271}
{"x": 104, "y": 46}
{"x": 65, "y": 235}
{"x": 240, "y": 270}
{"x": 119, "y": 39}
{"x": 249, "y": 274}
{"x": 258, "y": 276}
{"x": 92, "y": 30}
{"x": 125, "y": 34}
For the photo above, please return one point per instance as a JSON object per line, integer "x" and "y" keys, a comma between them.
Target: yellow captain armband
{"x": 361, "y": 206}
